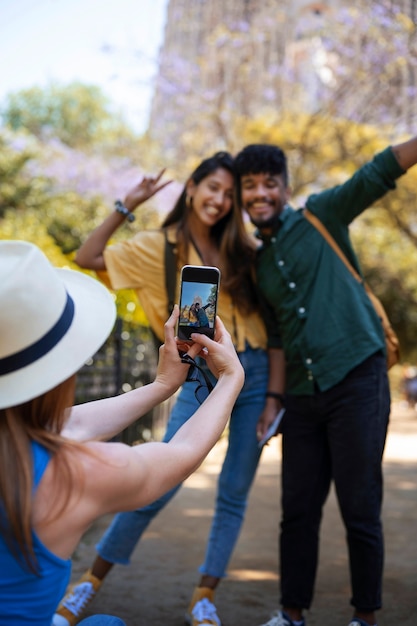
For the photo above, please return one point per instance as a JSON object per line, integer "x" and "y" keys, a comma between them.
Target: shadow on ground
{"x": 156, "y": 587}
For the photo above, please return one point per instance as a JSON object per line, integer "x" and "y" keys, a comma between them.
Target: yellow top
{"x": 138, "y": 263}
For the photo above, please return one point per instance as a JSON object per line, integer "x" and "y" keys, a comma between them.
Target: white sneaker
{"x": 204, "y": 612}
{"x": 280, "y": 619}
{"x": 76, "y": 600}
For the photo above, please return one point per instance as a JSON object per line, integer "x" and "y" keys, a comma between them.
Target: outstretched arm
{"x": 132, "y": 477}
{"x": 113, "y": 477}
{"x": 90, "y": 254}
{"x": 102, "y": 419}
{"x": 406, "y": 153}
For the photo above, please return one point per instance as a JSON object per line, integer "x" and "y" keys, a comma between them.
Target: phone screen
{"x": 198, "y": 300}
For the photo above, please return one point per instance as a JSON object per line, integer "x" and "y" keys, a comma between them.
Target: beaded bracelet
{"x": 120, "y": 208}
{"x": 277, "y": 396}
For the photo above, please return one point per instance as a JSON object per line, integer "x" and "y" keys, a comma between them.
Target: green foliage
{"x": 25, "y": 225}
{"x": 322, "y": 151}
{"x": 79, "y": 115}
{"x": 57, "y": 220}
{"x": 17, "y": 187}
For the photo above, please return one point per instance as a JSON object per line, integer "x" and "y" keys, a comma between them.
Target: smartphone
{"x": 198, "y": 300}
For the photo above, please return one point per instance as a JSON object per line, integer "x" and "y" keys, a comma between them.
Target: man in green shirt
{"x": 333, "y": 374}
{"x": 203, "y": 320}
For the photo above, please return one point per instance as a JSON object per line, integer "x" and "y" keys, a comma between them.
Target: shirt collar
{"x": 280, "y": 219}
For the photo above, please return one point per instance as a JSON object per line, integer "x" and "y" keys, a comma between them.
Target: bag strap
{"x": 332, "y": 243}
{"x": 170, "y": 269}
{"x": 391, "y": 339}
{"x": 170, "y": 260}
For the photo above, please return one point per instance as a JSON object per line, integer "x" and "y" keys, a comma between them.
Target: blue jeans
{"x": 102, "y": 620}
{"x": 335, "y": 435}
{"x": 235, "y": 480}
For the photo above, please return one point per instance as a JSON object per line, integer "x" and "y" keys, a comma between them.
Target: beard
{"x": 270, "y": 223}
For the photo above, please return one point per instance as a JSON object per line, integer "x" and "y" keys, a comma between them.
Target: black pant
{"x": 338, "y": 434}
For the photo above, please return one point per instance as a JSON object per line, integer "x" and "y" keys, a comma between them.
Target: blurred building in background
{"x": 221, "y": 60}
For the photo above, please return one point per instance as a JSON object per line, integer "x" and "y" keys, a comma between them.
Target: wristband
{"x": 277, "y": 396}
{"x": 120, "y": 208}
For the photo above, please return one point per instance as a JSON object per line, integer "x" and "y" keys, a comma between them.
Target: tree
{"x": 358, "y": 62}
{"x": 44, "y": 209}
{"x": 369, "y": 66}
{"x": 78, "y": 115}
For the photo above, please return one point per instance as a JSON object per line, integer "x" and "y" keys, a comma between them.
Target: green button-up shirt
{"x": 314, "y": 308}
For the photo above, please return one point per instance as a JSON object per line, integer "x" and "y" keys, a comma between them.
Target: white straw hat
{"x": 51, "y": 322}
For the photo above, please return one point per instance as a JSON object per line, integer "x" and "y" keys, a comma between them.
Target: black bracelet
{"x": 120, "y": 208}
{"x": 277, "y": 396}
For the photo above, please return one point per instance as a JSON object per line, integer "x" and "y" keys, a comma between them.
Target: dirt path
{"x": 156, "y": 587}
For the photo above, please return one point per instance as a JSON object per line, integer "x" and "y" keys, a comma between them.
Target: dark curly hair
{"x": 260, "y": 158}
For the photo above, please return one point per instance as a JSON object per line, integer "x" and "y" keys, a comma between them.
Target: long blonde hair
{"x": 41, "y": 420}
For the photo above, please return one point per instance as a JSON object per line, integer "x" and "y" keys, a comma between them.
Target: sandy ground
{"x": 156, "y": 587}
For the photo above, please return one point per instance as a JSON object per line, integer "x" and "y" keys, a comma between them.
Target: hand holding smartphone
{"x": 198, "y": 301}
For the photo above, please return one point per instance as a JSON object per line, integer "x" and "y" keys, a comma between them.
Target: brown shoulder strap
{"x": 391, "y": 339}
{"x": 332, "y": 243}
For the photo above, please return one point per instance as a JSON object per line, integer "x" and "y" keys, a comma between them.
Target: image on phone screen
{"x": 198, "y": 301}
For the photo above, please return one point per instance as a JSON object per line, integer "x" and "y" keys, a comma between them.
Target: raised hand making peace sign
{"x": 145, "y": 189}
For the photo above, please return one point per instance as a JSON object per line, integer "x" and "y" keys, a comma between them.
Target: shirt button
{"x": 281, "y": 263}
{"x": 273, "y": 239}
{"x": 309, "y": 361}
{"x": 292, "y": 285}
{"x": 302, "y": 310}
{"x": 310, "y": 376}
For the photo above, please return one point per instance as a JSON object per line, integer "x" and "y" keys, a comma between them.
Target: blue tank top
{"x": 27, "y": 598}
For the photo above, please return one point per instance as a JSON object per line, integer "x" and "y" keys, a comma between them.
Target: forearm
{"x": 406, "y": 153}
{"x": 147, "y": 471}
{"x": 275, "y": 391}
{"x": 276, "y": 377}
{"x": 103, "y": 419}
{"x": 90, "y": 254}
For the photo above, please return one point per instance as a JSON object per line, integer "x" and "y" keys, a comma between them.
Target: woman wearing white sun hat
{"x": 56, "y": 476}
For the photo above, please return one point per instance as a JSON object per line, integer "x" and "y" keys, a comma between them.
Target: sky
{"x": 110, "y": 43}
{"x": 190, "y": 291}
